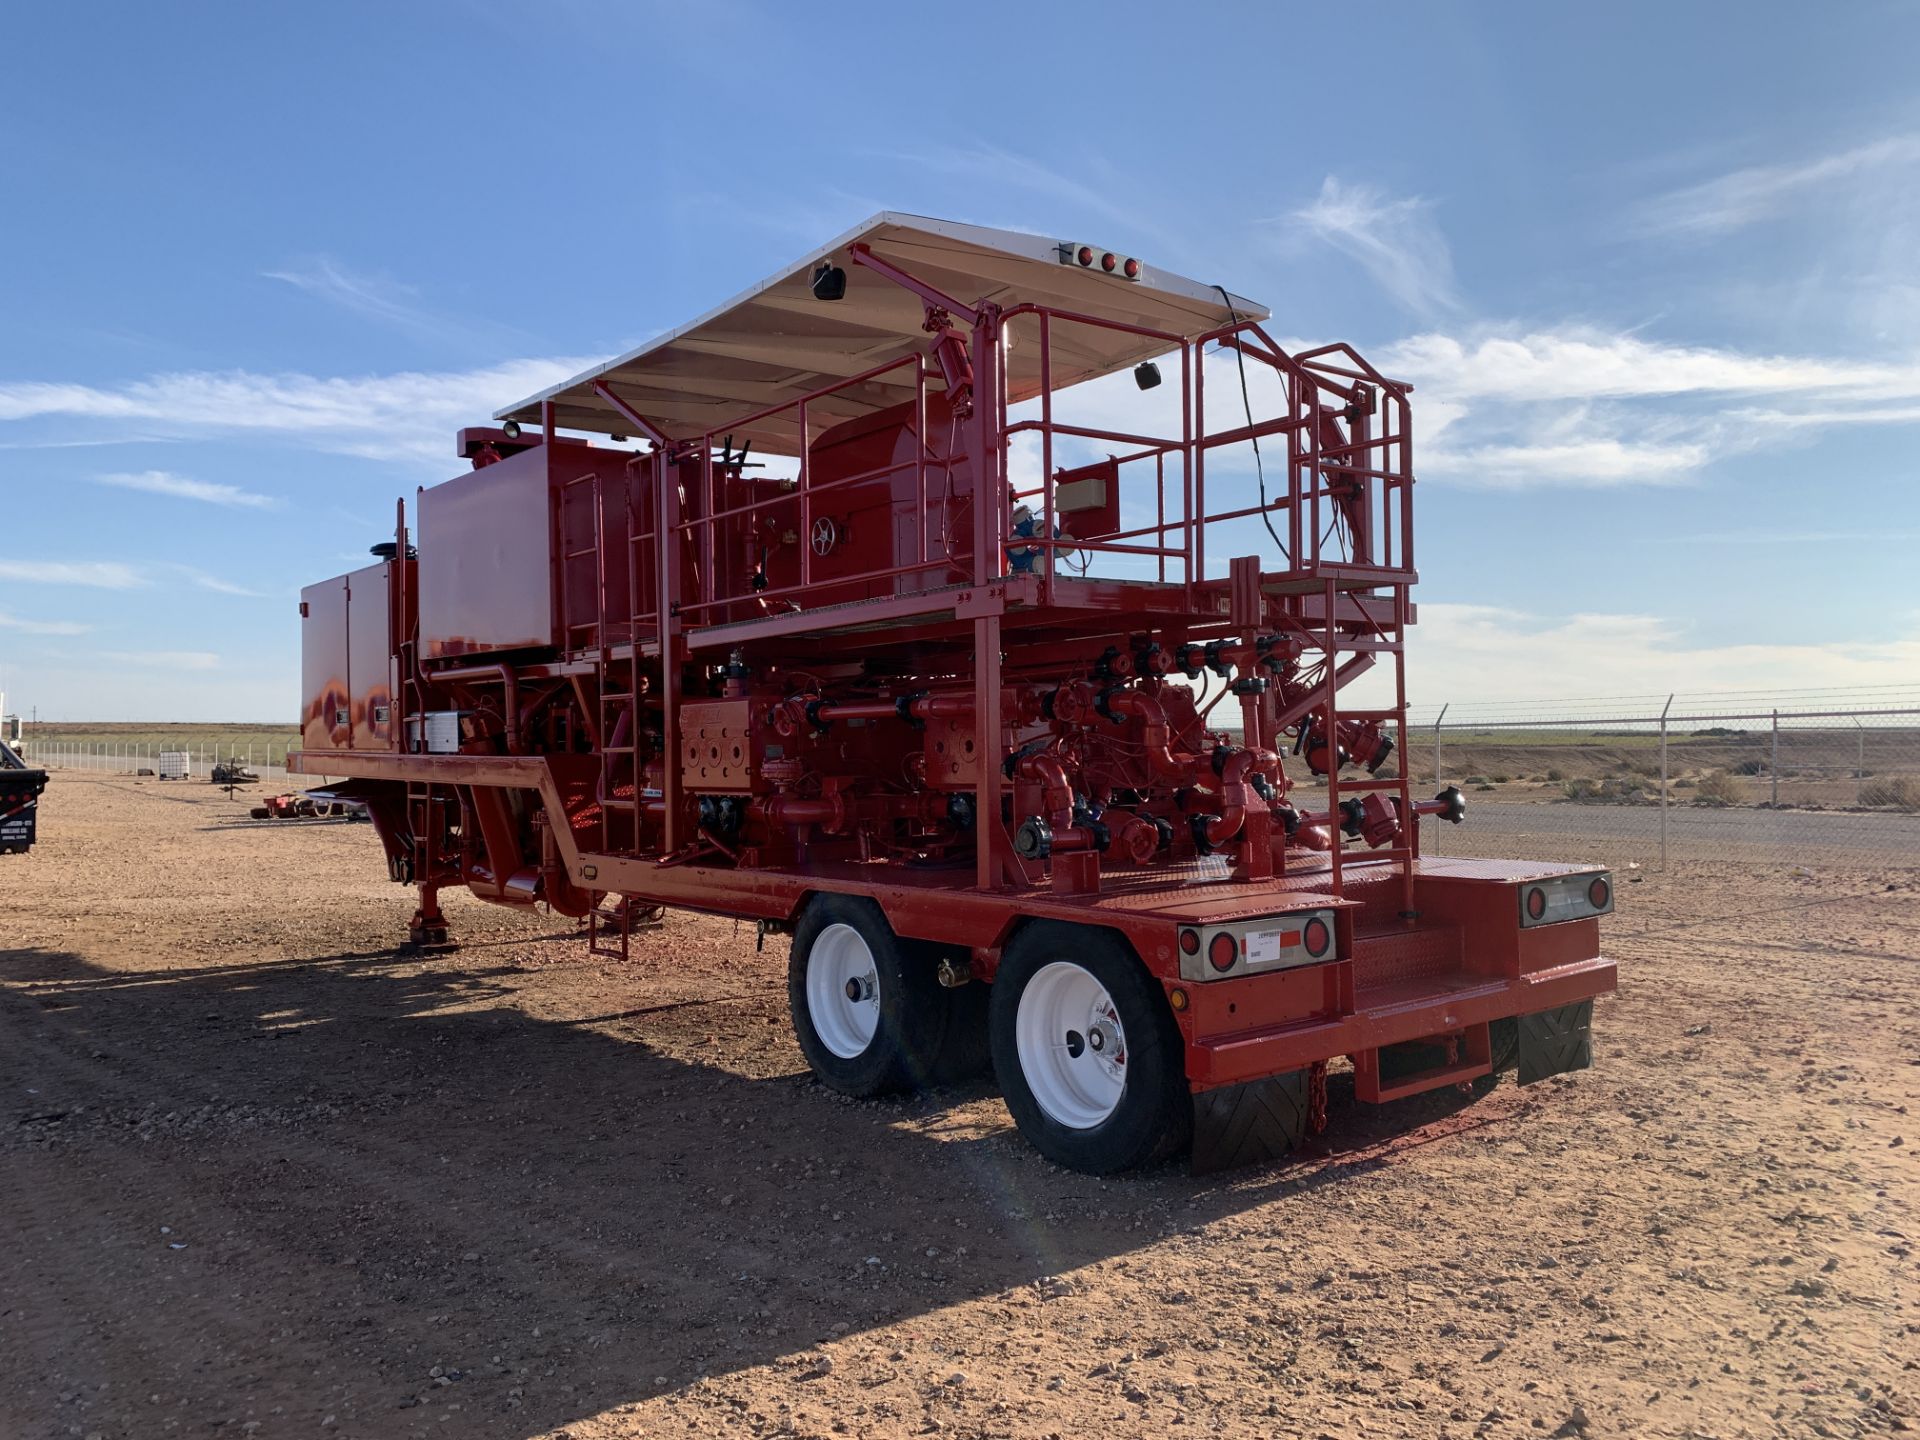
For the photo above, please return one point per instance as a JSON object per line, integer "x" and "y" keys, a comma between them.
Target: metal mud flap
{"x": 1248, "y": 1124}
{"x": 1553, "y": 1042}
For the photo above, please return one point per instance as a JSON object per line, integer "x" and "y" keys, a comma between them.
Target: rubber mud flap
{"x": 1248, "y": 1124}
{"x": 1553, "y": 1042}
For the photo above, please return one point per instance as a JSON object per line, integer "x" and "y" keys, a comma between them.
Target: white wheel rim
{"x": 1072, "y": 1047}
{"x": 843, "y": 991}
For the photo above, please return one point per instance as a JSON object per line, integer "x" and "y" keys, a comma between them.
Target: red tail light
{"x": 1536, "y": 902}
{"x": 1316, "y": 937}
{"x": 1598, "y": 893}
{"x": 1085, "y": 255}
{"x": 1109, "y": 261}
{"x": 1190, "y": 942}
{"x": 1132, "y": 269}
{"x": 1223, "y": 951}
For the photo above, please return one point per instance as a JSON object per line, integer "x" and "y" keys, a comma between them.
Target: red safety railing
{"x": 1338, "y": 501}
{"x": 1344, "y": 488}
{"x": 705, "y": 528}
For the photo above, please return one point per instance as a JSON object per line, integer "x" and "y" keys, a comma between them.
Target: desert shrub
{"x": 1902, "y": 792}
{"x": 1685, "y": 783}
{"x": 1556, "y": 776}
{"x": 1476, "y": 780}
{"x": 1613, "y": 790}
{"x": 1501, "y": 779}
{"x": 1718, "y": 787}
{"x": 1749, "y": 767}
{"x": 1483, "y": 787}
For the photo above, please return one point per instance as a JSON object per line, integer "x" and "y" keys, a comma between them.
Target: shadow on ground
{"x": 377, "y": 1167}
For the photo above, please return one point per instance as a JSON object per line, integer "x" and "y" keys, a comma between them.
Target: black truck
{"x": 20, "y": 787}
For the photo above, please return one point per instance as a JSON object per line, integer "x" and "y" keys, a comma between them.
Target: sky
{"x": 1653, "y": 270}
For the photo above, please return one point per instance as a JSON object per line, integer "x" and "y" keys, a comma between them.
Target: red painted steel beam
{"x": 960, "y": 311}
{"x": 640, "y": 423}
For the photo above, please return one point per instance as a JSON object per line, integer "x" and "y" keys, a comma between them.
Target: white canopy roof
{"x": 775, "y": 342}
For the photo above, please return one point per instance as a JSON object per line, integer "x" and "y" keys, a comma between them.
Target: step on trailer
{"x": 976, "y": 609}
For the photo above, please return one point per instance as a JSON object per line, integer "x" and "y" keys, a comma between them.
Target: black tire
{"x": 1503, "y": 1045}
{"x": 912, "y": 1005}
{"x": 1153, "y": 1118}
{"x": 961, "y": 1054}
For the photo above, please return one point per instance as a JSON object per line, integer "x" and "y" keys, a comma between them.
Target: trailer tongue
{"x": 959, "y": 613}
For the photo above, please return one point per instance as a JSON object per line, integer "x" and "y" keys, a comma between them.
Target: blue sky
{"x": 1654, "y": 270}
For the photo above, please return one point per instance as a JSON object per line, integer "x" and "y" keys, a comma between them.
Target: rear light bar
{"x": 1253, "y": 947}
{"x": 1566, "y": 897}
{"x": 1108, "y": 262}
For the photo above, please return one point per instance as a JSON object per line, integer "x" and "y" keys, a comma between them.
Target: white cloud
{"x": 214, "y": 583}
{"x": 1600, "y": 461}
{"x": 411, "y": 414}
{"x": 1743, "y": 197}
{"x": 375, "y": 296}
{"x": 40, "y": 627}
{"x": 101, "y": 574}
{"x": 160, "y": 482}
{"x": 1577, "y": 363}
{"x": 164, "y": 659}
{"x": 1514, "y": 656}
{"x": 1581, "y": 406}
{"x": 1395, "y": 241}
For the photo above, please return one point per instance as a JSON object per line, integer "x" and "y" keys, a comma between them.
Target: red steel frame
{"x": 1339, "y": 603}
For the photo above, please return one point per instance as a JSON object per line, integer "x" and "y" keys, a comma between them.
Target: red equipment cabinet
{"x": 874, "y": 642}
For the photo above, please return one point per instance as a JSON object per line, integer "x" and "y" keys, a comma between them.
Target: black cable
{"x": 1246, "y": 402}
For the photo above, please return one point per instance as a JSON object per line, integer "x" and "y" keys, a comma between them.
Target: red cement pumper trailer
{"x": 824, "y": 611}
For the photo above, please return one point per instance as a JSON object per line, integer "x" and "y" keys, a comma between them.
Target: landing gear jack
{"x": 428, "y": 928}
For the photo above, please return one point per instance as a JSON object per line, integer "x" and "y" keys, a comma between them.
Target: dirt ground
{"x": 260, "y": 1176}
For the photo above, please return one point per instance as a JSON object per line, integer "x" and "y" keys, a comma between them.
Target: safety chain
{"x": 1317, "y": 1097}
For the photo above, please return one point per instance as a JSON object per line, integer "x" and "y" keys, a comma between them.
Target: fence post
{"x": 1860, "y": 764}
{"x": 1775, "y": 764}
{"x": 1663, "y": 781}
{"x": 1436, "y": 770}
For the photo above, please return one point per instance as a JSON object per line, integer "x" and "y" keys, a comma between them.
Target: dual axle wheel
{"x": 1081, "y": 1040}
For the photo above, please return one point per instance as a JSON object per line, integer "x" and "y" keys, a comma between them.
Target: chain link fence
{"x": 1805, "y": 779}
{"x": 267, "y": 761}
{"x": 1794, "y": 780}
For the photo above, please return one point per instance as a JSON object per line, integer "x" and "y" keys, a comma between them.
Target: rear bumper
{"x": 1233, "y": 1059}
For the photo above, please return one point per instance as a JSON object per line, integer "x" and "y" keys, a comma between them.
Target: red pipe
{"x": 1157, "y": 735}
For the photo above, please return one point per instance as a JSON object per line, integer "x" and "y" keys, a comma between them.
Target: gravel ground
{"x": 262, "y": 1176}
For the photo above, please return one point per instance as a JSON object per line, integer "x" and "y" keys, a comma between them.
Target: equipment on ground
{"x": 979, "y": 681}
{"x": 21, "y": 786}
{"x": 174, "y": 764}
{"x": 295, "y": 806}
{"x": 233, "y": 772}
